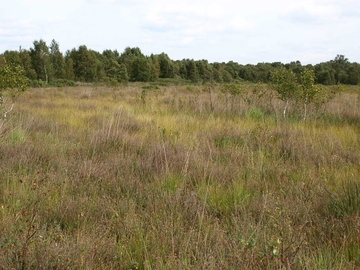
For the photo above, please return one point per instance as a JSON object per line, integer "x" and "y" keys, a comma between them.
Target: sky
{"x": 247, "y": 32}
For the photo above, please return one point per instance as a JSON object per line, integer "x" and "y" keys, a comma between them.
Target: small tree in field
{"x": 308, "y": 88}
{"x": 12, "y": 83}
{"x": 284, "y": 81}
{"x": 302, "y": 89}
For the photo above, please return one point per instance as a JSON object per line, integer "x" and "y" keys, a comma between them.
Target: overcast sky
{"x": 252, "y": 31}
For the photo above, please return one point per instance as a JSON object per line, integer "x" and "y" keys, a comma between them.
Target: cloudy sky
{"x": 311, "y": 31}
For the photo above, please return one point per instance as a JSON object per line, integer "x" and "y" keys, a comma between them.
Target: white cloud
{"x": 187, "y": 40}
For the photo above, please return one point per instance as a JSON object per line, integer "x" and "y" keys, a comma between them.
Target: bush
{"x": 62, "y": 83}
{"x": 36, "y": 83}
{"x": 56, "y": 83}
{"x": 150, "y": 87}
{"x": 255, "y": 114}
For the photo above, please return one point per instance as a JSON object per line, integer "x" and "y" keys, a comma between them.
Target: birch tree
{"x": 12, "y": 83}
{"x": 284, "y": 81}
{"x": 308, "y": 89}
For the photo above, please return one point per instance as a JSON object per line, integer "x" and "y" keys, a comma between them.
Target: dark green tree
{"x": 100, "y": 74}
{"x": 295, "y": 67}
{"x": 57, "y": 60}
{"x": 191, "y": 72}
{"x": 205, "y": 71}
{"x": 26, "y": 64}
{"x": 69, "y": 67}
{"x": 233, "y": 68}
{"x": 84, "y": 64}
{"x": 13, "y": 57}
{"x": 354, "y": 74}
{"x": 324, "y": 74}
{"x": 128, "y": 57}
{"x": 141, "y": 69}
{"x": 114, "y": 69}
{"x": 40, "y": 57}
{"x": 166, "y": 66}
{"x": 248, "y": 73}
{"x": 263, "y": 71}
{"x": 116, "y": 72}
{"x": 217, "y": 72}
{"x": 340, "y": 65}
{"x": 123, "y": 76}
{"x": 226, "y": 76}
{"x": 155, "y": 67}
{"x": 21, "y": 58}
{"x": 182, "y": 68}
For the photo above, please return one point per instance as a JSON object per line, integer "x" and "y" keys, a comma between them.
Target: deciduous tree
{"x": 308, "y": 88}
{"x": 284, "y": 81}
{"x": 57, "y": 60}
{"x": 141, "y": 70}
{"x": 12, "y": 83}
{"x": 84, "y": 64}
{"x": 40, "y": 57}
{"x": 166, "y": 66}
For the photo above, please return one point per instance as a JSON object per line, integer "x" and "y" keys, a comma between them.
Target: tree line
{"x": 45, "y": 64}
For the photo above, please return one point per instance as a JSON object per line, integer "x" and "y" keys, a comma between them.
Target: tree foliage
{"x": 23, "y": 59}
{"x": 69, "y": 66}
{"x": 141, "y": 70}
{"x": 12, "y": 83}
{"x": 47, "y": 64}
{"x": 40, "y": 57}
{"x": 57, "y": 60}
{"x": 284, "y": 81}
{"x": 308, "y": 88}
{"x": 115, "y": 71}
{"x": 84, "y": 64}
{"x": 303, "y": 88}
{"x": 166, "y": 66}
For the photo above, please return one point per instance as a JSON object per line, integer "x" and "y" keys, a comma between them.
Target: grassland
{"x": 178, "y": 178}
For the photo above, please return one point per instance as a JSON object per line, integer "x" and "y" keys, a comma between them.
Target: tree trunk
{"x": 46, "y": 75}
{"x": 285, "y": 108}
{"x": 305, "y": 107}
{"x": 305, "y": 110}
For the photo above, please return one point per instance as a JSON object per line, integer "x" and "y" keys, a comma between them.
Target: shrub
{"x": 254, "y": 114}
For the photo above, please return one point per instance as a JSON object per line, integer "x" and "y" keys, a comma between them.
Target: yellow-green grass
{"x": 107, "y": 178}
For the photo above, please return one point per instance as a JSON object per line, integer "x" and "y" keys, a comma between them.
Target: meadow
{"x": 175, "y": 177}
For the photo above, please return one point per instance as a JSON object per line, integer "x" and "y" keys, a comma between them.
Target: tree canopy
{"x": 47, "y": 64}
{"x": 12, "y": 83}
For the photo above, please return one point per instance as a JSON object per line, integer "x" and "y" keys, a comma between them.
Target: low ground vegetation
{"x": 179, "y": 177}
